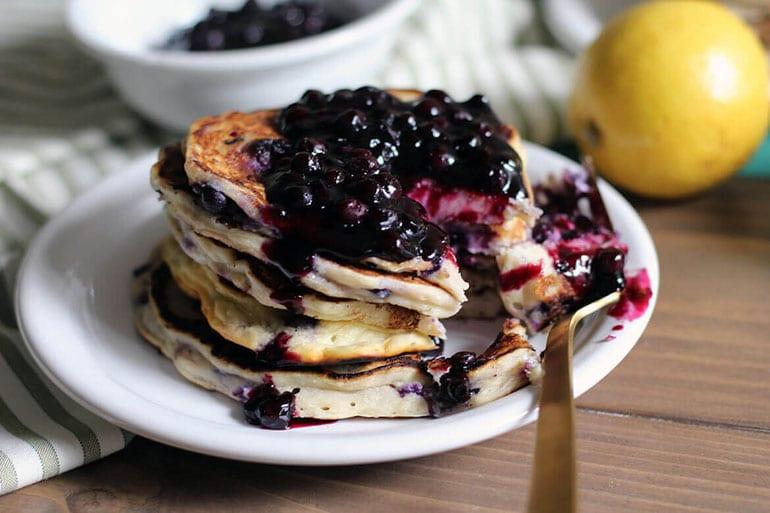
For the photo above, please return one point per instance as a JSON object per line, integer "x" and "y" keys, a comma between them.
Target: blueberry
{"x": 411, "y": 207}
{"x": 429, "y": 108}
{"x": 321, "y": 195}
{"x": 352, "y": 210}
{"x": 462, "y": 359}
{"x": 468, "y": 142}
{"x": 373, "y": 96}
{"x": 483, "y": 129}
{"x": 369, "y": 191}
{"x": 461, "y": 115}
{"x": 312, "y": 146}
{"x": 478, "y": 101}
{"x": 439, "y": 95}
{"x": 428, "y": 132}
{"x": 390, "y": 185}
{"x": 334, "y": 176}
{"x": 350, "y": 122}
{"x": 608, "y": 262}
{"x": 455, "y": 388}
{"x": 267, "y": 408}
{"x": 303, "y": 163}
{"x": 442, "y": 158}
{"x": 213, "y": 200}
{"x": 342, "y": 98}
{"x": 496, "y": 179}
{"x": 261, "y": 152}
{"x": 405, "y": 122}
{"x": 541, "y": 231}
{"x": 385, "y": 218}
{"x": 298, "y": 197}
{"x": 584, "y": 224}
{"x": 314, "y": 99}
{"x": 361, "y": 165}
{"x": 253, "y": 34}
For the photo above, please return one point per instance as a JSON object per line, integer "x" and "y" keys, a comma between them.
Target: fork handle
{"x": 553, "y": 488}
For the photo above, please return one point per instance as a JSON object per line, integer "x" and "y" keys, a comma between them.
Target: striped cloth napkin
{"x": 62, "y": 129}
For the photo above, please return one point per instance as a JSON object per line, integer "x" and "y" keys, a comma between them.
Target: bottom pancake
{"x": 405, "y": 386}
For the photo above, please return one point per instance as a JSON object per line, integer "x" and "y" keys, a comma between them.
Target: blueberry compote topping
{"x": 453, "y": 387}
{"x": 578, "y": 234}
{"x": 252, "y": 25}
{"x": 268, "y": 408}
{"x": 277, "y": 351}
{"x": 337, "y": 183}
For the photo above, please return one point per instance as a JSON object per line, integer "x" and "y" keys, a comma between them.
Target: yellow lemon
{"x": 671, "y": 98}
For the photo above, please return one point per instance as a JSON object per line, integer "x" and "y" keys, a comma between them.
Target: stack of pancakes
{"x": 315, "y": 335}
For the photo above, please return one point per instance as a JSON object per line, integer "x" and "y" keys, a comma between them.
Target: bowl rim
{"x": 382, "y": 18}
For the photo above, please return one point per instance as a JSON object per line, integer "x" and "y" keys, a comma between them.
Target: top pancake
{"x": 214, "y": 155}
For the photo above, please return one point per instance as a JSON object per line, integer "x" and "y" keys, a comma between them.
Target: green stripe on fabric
{"x": 89, "y": 442}
{"x": 127, "y": 437}
{"x": 49, "y": 460}
{"x": 9, "y": 480}
{"x": 7, "y": 315}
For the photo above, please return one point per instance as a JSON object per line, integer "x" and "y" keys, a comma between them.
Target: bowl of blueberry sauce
{"x": 177, "y": 61}
{"x": 253, "y": 24}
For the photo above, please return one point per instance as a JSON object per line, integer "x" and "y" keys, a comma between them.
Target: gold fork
{"x": 553, "y": 488}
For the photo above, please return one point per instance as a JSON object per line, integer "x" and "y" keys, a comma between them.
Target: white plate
{"x": 74, "y": 310}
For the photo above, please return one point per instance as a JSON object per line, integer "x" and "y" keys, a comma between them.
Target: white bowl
{"x": 173, "y": 88}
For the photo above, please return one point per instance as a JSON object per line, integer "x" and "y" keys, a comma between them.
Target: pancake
{"x": 270, "y": 288}
{"x": 278, "y": 336}
{"x": 421, "y": 293}
{"x": 401, "y": 386}
{"x": 574, "y": 256}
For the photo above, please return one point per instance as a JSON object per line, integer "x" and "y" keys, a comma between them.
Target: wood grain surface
{"x": 682, "y": 425}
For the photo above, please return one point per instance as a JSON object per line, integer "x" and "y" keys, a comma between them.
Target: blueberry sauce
{"x": 277, "y": 351}
{"x": 284, "y": 291}
{"x": 339, "y": 183}
{"x": 453, "y": 387}
{"x": 635, "y": 298}
{"x": 252, "y": 25}
{"x": 519, "y": 276}
{"x": 268, "y": 408}
{"x": 410, "y": 388}
{"x": 576, "y": 231}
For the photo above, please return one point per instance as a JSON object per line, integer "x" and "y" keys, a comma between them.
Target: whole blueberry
{"x": 304, "y": 162}
{"x": 439, "y": 95}
{"x": 213, "y": 200}
{"x": 314, "y": 99}
{"x": 429, "y": 108}
{"x": 350, "y": 123}
{"x": 298, "y": 197}
{"x": 351, "y": 210}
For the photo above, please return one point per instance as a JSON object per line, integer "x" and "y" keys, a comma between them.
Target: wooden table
{"x": 682, "y": 425}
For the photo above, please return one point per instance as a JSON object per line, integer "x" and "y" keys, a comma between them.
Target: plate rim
{"x": 423, "y": 439}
